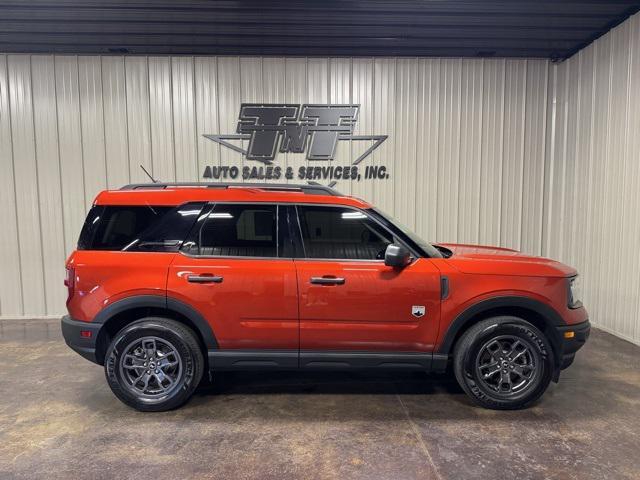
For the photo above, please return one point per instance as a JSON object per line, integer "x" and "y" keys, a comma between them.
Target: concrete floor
{"x": 58, "y": 419}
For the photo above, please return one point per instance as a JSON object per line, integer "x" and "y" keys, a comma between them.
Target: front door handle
{"x": 204, "y": 279}
{"x": 327, "y": 280}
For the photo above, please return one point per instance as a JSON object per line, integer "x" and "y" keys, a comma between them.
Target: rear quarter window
{"x": 137, "y": 228}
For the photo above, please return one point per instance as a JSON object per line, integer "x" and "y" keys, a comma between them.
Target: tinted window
{"x": 116, "y": 227}
{"x": 341, "y": 233}
{"x": 237, "y": 230}
{"x": 167, "y": 234}
{"x": 89, "y": 227}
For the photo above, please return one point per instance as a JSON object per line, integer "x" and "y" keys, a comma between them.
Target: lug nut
{"x": 157, "y": 371}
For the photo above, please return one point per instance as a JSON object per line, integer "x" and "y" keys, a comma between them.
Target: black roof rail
{"x": 311, "y": 189}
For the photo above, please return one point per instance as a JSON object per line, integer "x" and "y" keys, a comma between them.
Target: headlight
{"x": 575, "y": 292}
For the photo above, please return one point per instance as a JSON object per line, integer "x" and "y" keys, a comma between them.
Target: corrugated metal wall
{"x": 518, "y": 153}
{"x": 465, "y": 149}
{"x": 592, "y": 216}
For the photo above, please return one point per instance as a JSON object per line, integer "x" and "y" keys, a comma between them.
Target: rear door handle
{"x": 204, "y": 279}
{"x": 327, "y": 280}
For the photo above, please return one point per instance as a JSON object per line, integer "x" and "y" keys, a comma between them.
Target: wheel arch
{"x": 542, "y": 316}
{"x": 119, "y": 314}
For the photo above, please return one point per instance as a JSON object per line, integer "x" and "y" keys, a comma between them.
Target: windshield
{"x": 407, "y": 234}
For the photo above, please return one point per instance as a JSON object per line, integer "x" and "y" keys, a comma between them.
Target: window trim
{"x": 205, "y": 216}
{"x": 414, "y": 255}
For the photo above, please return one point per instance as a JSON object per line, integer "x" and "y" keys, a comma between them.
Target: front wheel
{"x": 154, "y": 364}
{"x": 503, "y": 363}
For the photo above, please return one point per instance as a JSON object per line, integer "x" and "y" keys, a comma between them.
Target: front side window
{"x": 237, "y": 230}
{"x": 341, "y": 233}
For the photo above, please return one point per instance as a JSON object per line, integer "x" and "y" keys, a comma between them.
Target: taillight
{"x": 70, "y": 280}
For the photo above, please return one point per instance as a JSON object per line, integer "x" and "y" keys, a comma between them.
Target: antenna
{"x": 148, "y": 174}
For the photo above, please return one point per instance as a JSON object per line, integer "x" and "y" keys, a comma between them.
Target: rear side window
{"x": 237, "y": 230}
{"x": 137, "y": 228}
{"x": 341, "y": 233}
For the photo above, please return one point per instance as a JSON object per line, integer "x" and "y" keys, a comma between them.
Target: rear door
{"x": 234, "y": 270}
{"x": 349, "y": 299}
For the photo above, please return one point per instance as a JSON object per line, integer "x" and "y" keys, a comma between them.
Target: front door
{"x": 349, "y": 299}
{"x": 232, "y": 270}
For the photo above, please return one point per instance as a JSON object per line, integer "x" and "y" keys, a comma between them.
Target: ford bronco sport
{"x": 172, "y": 280}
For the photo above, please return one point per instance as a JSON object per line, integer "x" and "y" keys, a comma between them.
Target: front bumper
{"x": 569, "y": 346}
{"x": 81, "y": 336}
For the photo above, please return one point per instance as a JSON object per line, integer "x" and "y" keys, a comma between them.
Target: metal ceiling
{"x": 472, "y": 28}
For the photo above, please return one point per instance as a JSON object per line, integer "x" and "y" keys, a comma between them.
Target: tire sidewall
{"x": 518, "y": 328}
{"x": 157, "y": 328}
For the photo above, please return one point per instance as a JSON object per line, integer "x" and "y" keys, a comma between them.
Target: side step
{"x": 324, "y": 360}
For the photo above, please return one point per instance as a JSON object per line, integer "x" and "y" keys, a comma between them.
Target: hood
{"x": 480, "y": 259}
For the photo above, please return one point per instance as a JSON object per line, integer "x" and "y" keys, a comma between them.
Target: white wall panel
{"x": 48, "y": 176}
{"x": 116, "y": 135}
{"x": 10, "y": 284}
{"x": 513, "y": 166}
{"x": 470, "y": 151}
{"x": 206, "y": 106}
{"x": 184, "y": 119}
{"x": 493, "y": 99}
{"x": 92, "y": 126}
{"x": 535, "y": 131}
{"x": 406, "y": 123}
{"x": 72, "y": 171}
{"x": 138, "y": 117}
{"x": 448, "y": 166}
{"x": 518, "y": 153}
{"x": 592, "y": 199}
{"x": 384, "y": 88}
{"x": 29, "y": 247}
{"x": 161, "y": 114}
{"x": 428, "y": 131}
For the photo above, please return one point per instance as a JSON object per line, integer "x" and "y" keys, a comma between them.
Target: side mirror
{"x": 397, "y": 256}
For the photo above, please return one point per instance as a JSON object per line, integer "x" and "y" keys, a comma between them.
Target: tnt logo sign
{"x": 314, "y": 129}
{"x": 310, "y": 129}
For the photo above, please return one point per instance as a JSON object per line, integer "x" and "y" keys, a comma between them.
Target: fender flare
{"x": 162, "y": 302}
{"x": 551, "y": 317}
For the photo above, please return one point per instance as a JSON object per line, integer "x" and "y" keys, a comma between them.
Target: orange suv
{"x": 171, "y": 280}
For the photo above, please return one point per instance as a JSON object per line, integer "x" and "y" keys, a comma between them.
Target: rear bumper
{"x": 74, "y": 335}
{"x": 569, "y": 346}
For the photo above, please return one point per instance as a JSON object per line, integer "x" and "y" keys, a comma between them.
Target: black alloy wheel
{"x": 154, "y": 364}
{"x": 503, "y": 363}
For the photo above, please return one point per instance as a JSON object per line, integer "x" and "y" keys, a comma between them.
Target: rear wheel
{"x": 503, "y": 363}
{"x": 154, "y": 364}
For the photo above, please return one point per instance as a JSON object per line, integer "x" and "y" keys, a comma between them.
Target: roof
{"x": 177, "y": 194}
{"x": 436, "y": 28}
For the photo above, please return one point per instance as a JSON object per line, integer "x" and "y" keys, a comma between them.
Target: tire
{"x": 154, "y": 364}
{"x": 521, "y": 353}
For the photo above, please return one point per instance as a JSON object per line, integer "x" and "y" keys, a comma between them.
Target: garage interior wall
{"x": 592, "y": 175}
{"x": 520, "y": 153}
